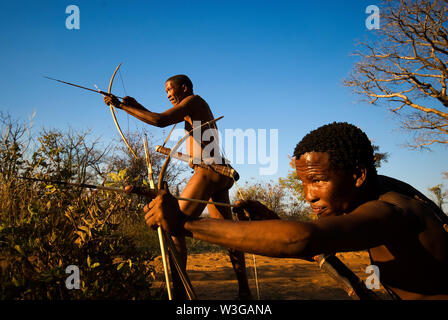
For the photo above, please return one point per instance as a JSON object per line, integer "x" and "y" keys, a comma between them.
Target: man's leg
{"x": 236, "y": 257}
{"x": 198, "y": 187}
{"x": 206, "y": 184}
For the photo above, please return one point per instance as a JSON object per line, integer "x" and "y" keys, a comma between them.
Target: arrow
{"x": 142, "y": 191}
{"x": 85, "y": 88}
{"x": 129, "y": 189}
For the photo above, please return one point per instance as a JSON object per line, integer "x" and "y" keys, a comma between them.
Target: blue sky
{"x": 261, "y": 64}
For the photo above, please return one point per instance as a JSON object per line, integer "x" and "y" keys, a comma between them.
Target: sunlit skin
{"x": 204, "y": 184}
{"x": 357, "y": 212}
{"x": 329, "y": 192}
{"x": 175, "y": 94}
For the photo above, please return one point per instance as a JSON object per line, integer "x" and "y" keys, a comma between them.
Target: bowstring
{"x": 125, "y": 93}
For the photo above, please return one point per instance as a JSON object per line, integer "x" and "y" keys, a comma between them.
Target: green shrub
{"x": 45, "y": 228}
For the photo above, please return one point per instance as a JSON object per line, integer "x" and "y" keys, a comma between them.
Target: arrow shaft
{"x": 82, "y": 87}
{"x": 81, "y": 185}
{"x": 149, "y": 193}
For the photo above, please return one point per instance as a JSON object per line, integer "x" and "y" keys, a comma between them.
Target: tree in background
{"x": 439, "y": 195}
{"x": 67, "y": 156}
{"x": 14, "y": 142}
{"x": 284, "y": 197}
{"x": 406, "y": 68}
{"x": 379, "y": 157}
{"x": 136, "y": 170}
{"x": 297, "y": 204}
{"x": 270, "y": 194}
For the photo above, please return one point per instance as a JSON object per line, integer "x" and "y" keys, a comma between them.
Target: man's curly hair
{"x": 347, "y": 145}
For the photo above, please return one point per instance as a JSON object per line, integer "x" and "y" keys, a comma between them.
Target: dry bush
{"x": 45, "y": 227}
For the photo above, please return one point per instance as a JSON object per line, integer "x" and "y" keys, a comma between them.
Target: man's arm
{"x": 372, "y": 224}
{"x": 274, "y": 238}
{"x": 173, "y": 115}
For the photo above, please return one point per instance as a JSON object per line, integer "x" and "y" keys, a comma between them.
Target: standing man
{"x": 404, "y": 232}
{"x": 205, "y": 184}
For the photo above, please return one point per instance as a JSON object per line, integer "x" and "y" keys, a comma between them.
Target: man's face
{"x": 174, "y": 92}
{"x": 328, "y": 191}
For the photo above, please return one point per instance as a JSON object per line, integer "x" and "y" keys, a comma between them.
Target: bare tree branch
{"x": 407, "y": 67}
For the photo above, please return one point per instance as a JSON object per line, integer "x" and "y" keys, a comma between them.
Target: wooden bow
{"x": 162, "y": 237}
{"x": 172, "y": 249}
{"x": 112, "y": 110}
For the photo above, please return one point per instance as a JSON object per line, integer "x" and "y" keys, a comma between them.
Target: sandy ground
{"x": 213, "y": 278}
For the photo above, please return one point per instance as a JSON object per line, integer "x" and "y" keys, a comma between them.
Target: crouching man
{"x": 404, "y": 232}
